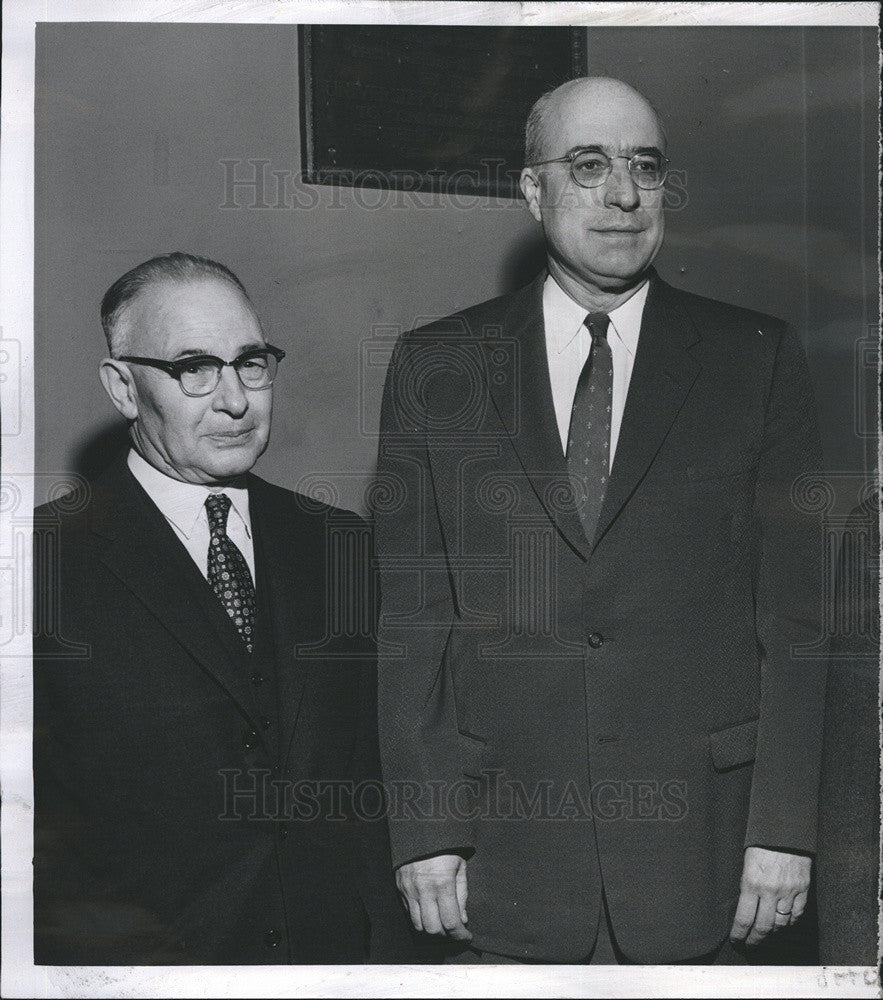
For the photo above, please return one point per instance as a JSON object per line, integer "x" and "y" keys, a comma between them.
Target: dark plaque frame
{"x": 432, "y": 108}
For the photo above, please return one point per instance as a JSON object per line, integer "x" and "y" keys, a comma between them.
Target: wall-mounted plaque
{"x": 438, "y": 109}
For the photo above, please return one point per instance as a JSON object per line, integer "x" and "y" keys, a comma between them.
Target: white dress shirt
{"x": 567, "y": 346}
{"x": 183, "y": 505}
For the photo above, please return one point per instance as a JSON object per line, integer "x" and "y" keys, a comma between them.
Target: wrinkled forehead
{"x": 617, "y": 120}
{"x": 203, "y": 314}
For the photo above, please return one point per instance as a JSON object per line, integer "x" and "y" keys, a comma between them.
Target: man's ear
{"x": 116, "y": 377}
{"x": 530, "y": 188}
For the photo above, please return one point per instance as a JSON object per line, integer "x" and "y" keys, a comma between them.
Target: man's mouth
{"x": 231, "y": 437}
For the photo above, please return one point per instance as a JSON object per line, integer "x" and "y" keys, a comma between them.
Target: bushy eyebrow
{"x": 189, "y": 352}
{"x": 192, "y": 352}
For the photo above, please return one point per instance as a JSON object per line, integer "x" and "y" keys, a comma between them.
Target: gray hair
{"x": 534, "y": 129}
{"x": 179, "y": 267}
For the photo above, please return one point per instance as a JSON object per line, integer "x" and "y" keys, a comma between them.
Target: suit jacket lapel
{"x": 528, "y": 414}
{"x": 141, "y": 549}
{"x": 663, "y": 374}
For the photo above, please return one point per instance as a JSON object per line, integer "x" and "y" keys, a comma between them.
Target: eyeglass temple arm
{"x": 166, "y": 366}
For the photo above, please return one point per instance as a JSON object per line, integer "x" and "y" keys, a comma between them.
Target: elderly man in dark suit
{"x": 192, "y": 711}
{"x": 597, "y": 576}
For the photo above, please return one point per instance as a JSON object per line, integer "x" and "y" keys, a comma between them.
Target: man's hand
{"x": 434, "y": 890}
{"x": 774, "y": 888}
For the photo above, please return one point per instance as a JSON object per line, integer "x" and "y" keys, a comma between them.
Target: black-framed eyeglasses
{"x": 590, "y": 167}
{"x": 200, "y": 374}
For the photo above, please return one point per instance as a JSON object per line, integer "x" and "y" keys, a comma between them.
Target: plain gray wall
{"x": 775, "y": 128}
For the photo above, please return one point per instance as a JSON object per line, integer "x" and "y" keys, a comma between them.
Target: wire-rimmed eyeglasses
{"x": 591, "y": 167}
{"x": 200, "y": 374}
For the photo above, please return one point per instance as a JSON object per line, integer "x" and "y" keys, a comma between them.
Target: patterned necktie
{"x": 228, "y": 572}
{"x": 588, "y": 442}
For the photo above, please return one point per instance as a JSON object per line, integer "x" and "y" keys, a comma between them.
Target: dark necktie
{"x": 588, "y": 441}
{"x": 228, "y": 572}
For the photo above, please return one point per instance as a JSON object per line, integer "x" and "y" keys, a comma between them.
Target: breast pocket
{"x": 733, "y": 746}
{"x": 472, "y": 754}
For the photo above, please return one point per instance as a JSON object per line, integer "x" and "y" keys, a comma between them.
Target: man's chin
{"x": 620, "y": 279}
{"x": 613, "y": 273}
{"x": 619, "y": 267}
{"x": 231, "y": 462}
{"x": 631, "y": 265}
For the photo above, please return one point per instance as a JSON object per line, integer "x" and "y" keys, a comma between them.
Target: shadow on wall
{"x": 101, "y": 448}
{"x": 524, "y": 261}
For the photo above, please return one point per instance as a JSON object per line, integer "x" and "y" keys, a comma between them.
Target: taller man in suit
{"x": 597, "y": 575}
{"x": 198, "y": 730}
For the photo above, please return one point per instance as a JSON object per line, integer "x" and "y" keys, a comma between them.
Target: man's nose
{"x": 230, "y": 395}
{"x": 619, "y": 188}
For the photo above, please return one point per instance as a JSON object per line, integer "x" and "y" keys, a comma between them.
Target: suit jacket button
{"x": 265, "y": 723}
{"x": 283, "y": 831}
{"x": 257, "y": 678}
{"x": 271, "y": 939}
{"x": 596, "y": 640}
{"x": 249, "y": 739}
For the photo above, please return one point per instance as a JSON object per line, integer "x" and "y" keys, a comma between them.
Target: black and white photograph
{"x": 440, "y": 500}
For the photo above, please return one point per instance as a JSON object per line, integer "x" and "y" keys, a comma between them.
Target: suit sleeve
{"x": 416, "y": 712}
{"x": 391, "y": 938}
{"x": 75, "y": 922}
{"x": 789, "y": 612}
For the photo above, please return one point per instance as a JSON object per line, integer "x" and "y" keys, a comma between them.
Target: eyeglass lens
{"x": 591, "y": 168}
{"x": 256, "y": 371}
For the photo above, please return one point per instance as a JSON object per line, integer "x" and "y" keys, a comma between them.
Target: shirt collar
{"x": 184, "y": 503}
{"x": 565, "y": 317}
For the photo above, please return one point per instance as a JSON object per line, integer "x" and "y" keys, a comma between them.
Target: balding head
{"x": 547, "y": 116}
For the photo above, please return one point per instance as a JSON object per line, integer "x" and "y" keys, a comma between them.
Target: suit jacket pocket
{"x": 472, "y": 750}
{"x": 734, "y": 745}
